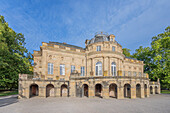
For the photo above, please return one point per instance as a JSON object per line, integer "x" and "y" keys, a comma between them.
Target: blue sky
{"x": 133, "y": 22}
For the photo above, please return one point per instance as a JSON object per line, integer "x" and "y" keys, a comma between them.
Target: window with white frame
{"x": 62, "y": 69}
{"x": 98, "y": 69}
{"x": 72, "y": 68}
{"x": 140, "y": 74}
{"x": 129, "y": 73}
{"x": 113, "y": 48}
{"x": 113, "y": 68}
{"x": 50, "y": 68}
{"x": 82, "y": 71}
{"x": 134, "y": 73}
{"x": 124, "y": 73}
{"x": 98, "y": 48}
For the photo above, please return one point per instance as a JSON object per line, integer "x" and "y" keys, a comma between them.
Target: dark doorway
{"x": 98, "y": 90}
{"x": 85, "y": 90}
{"x": 138, "y": 91}
{"x": 145, "y": 90}
{"x": 34, "y": 90}
{"x": 64, "y": 90}
{"x": 49, "y": 90}
{"x": 113, "y": 90}
{"x": 127, "y": 91}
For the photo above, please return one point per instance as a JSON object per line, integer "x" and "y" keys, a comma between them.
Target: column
{"x": 105, "y": 91}
{"x": 142, "y": 91}
{"x": 91, "y": 90}
{"x": 120, "y": 91}
{"x": 148, "y": 91}
{"x": 103, "y": 65}
{"x": 133, "y": 91}
{"x": 108, "y": 66}
{"x": 153, "y": 89}
{"x": 27, "y": 92}
{"x": 72, "y": 88}
{"x": 42, "y": 92}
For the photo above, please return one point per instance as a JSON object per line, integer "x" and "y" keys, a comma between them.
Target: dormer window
{"x": 98, "y": 48}
{"x": 111, "y": 39}
{"x": 113, "y": 48}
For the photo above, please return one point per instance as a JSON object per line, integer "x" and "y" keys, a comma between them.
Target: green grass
{"x": 165, "y": 91}
{"x": 6, "y": 93}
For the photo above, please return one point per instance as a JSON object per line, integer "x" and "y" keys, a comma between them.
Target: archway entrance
{"x": 156, "y": 90}
{"x": 113, "y": 90}
{"x": 145, "y": 90}
{"x": 138, "y": 91}
{"x": 50, "y": 90}
{"x": 34, "y": 90}
{"x": 98, "y": 90}
{"x": 151, "y": 90}
{"x": 85, "y": 90}
{"x": 127, "y": 91}
{"x": 64, "y": 90}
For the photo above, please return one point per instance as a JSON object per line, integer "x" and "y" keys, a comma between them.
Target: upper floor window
{"x": 98, "y": 48}
{"x": 62, "y": 69}
{"x": 140, "y": 74}
{"x": 98, "y": 69}
{"x": 72, "y": 68}
{"x": 129, "y": 73}
{"x": 111, "y": 39}
{"x": 124, "y": 73}
{"x": 50, "y": 68}
{"x": 113, "y": 69}
{"x": 113, "y": 48}
{"x": 82, "y": 71}
{"x": 134, "y": 73}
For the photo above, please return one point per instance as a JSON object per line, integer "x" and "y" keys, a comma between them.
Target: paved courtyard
{"x": 153, "y": 104}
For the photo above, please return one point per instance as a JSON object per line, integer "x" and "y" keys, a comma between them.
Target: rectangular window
{"x": 62, "y": 69}
{"x": 72, "y": 68}
{"x": 82, "y": 71}
{"x": 113, "y": 48}
{"x": 50, "y": 68}
{"x": 98, "y": 48}
{"x": 140, "y": 74}
{"x": 124, "y": 73}
{"x": 129, "y": 73}
{"x": 134, "y": 73}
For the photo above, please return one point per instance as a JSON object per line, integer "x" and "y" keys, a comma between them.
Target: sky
{"x": 133, "y": 22}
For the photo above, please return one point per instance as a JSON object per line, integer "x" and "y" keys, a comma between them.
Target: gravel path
{"x": 153, "y": 104}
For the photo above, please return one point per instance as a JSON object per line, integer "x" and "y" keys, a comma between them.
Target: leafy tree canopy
{"x": 14, "y": 57}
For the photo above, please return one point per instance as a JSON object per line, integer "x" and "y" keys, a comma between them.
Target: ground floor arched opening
{"x": 113, "y": 90}
{"x": 98, "y": 90}
{"x": 151, "y": 90}
{"x": 138, "y": 91}
{"x": 64, "y": 90}
{"x": 34, "y": 90}
{"x": 145, "y": 90}
{"x": 127, "y": 91}
{"x": 156, "y": 90}
{"x": 85, "y": 90}
{"x": 50, "y": 90}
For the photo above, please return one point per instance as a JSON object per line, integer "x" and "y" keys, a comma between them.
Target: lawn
{"x": 6, "y": 93}
{"x": 165, "y": 91}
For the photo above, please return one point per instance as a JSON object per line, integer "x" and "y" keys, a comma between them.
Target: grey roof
{"x": 99, "y": 38}
{"x": 66, "y": 45}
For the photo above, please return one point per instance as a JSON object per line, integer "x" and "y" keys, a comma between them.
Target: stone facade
{"x": 100, "y": 69}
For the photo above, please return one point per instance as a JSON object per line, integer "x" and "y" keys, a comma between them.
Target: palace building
{"x": 98, "y": 70}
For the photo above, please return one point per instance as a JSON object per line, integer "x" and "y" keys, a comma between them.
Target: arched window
{"x": 98, "y": 69}
{"x": 113, "y": 69}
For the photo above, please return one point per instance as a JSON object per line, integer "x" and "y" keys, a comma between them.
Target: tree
{"x": 14, "y": 57}
{"x": 126, "y": 52}
{"x": 156, "y": 58}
